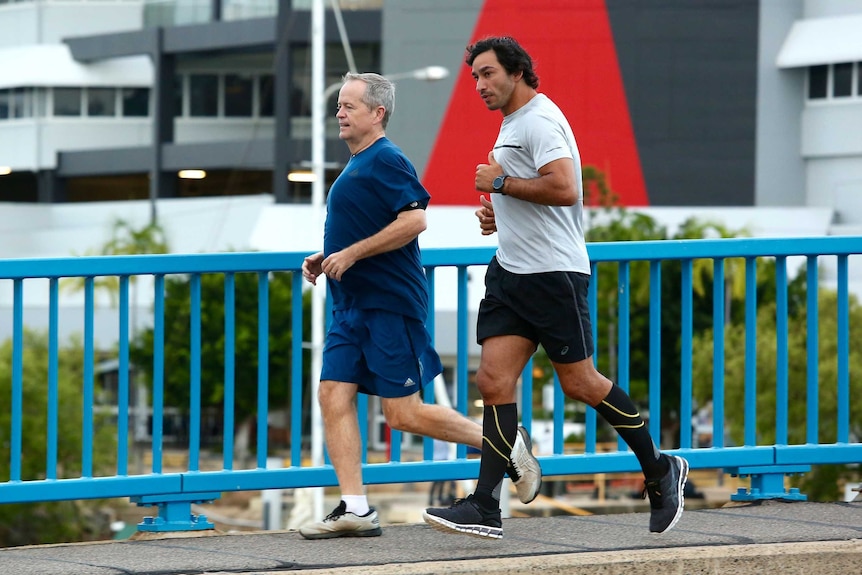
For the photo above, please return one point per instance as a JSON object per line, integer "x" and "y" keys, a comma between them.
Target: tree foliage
{"x": 822, "y": 483}
{"x": 51, "y": 522}
{"x": 125, "y": 240}
{"x": 177, "y": 349}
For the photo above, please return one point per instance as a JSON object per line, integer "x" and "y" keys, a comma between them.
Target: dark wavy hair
{"x": 510, "y": 54}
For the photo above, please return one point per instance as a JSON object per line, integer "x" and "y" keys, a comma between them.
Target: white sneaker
{"x": 342, "y": 523}
{"x": 527, "y": 475}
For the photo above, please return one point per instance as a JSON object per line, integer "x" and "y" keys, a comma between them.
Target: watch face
{"x": 498, "y": 182}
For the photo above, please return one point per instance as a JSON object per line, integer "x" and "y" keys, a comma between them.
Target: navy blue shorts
{"x": 384, "y": 353}
{"x": 547, "y": 308}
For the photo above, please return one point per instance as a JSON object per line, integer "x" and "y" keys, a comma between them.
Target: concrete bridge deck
{"x": 771, "y": 536}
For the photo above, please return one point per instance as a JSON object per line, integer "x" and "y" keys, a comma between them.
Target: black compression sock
{"x": 619, "y": 410}
{"x": 499, "y": 428}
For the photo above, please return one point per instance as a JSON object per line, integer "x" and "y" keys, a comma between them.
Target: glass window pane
{"x": 817, "y": 81}
{"x": 136, "y": 102}
{"x": 18, "y": 104}
{"x": 267, "y": 96}
{"x": 67, "y": 101}
{"x": 4, "y": 104}
{"x": 842, "y": 80}
{"x": 238, "y": 96}
{"x": 178, "y": 96}
{"x": 367, "y": 57}
{"x": 203, "y": 95}
{"x": 101, "y": 102}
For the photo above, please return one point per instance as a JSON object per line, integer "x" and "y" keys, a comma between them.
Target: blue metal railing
{"x": 174, "y": 492}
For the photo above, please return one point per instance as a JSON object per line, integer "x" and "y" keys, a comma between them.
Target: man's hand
{"x": 485, "y": 174}
{"x": 487, "y": 221}
{"x": 311, "y": 267}
{"x": 336, "y": 264}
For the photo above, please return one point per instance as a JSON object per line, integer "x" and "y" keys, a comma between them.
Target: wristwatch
{"x": 498, "y": 184}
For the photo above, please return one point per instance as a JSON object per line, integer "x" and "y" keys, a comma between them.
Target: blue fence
{"x": 173, "y": 493}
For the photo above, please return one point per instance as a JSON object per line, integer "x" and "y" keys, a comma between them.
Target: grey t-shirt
{"x": 534, "y": 238}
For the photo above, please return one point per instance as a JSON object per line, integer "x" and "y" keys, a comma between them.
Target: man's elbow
{"x": 567, "y": 197}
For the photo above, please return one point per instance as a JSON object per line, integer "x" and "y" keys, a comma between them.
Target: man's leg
{"x": 411, "y": 415}
{"x": 344, "y": 444}
{"x": 665, "y": 476}
{"x": 503, "y": 359}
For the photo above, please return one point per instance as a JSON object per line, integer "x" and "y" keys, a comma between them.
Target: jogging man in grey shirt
{"x": 536, "y": 290}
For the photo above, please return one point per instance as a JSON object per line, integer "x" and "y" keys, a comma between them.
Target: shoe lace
{"x": 337, "y": 512}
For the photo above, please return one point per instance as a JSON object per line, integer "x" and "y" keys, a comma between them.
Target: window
{"x": 101, "y": 102}
{"x": 5, "y": 96}
{"x": 67, "y": 101}
{"x": 203, "y": 95}
{"x": 136, "y": 102}
{"x": 842, "y": 80}
{"x": 238, "y": 95}
{"x": 833, "y": 81}
{"x": 818, "y": 80}
{"x": 367, "y": 56}
{"x": 267, "y": 95}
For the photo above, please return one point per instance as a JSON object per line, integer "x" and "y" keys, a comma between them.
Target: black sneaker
{"x": 342, "y": 523}
{"x": 666, "y": 496}
{"x": 466, "y": 516}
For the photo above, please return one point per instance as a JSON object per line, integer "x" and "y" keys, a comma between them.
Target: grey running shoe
{"x": 467, "y": 517}
{"x": 342, "y": 523}
{"x": 666, "y": 496}
{"x": 524, "y": 469}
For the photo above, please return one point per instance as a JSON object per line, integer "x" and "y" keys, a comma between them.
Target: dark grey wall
{"x": 418, "y": 33}
{"x": 690, "y": 73}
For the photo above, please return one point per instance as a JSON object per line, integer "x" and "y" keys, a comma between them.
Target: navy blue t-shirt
{"x": 366, "y": 197}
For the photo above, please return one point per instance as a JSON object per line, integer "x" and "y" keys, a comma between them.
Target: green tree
{"x": 177, "y": 351}
{"x": 125, "y": 240}
{"x": 51, "y": 521}
{"x": 822, "y": 483}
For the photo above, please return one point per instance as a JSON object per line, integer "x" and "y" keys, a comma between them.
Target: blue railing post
{"x": 175, "y": 512}
{"x": 767, "y": 482}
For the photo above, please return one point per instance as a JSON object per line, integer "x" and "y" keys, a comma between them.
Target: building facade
{"x": 676, "y": 102}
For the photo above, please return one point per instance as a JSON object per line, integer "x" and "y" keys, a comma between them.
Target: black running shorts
{"x": 547, "y": 308}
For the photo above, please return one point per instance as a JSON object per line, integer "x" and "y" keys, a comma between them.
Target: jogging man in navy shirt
{"x": 377, "y": 342}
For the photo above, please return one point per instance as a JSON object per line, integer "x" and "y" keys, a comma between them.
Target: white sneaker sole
{"x": 480, "y": 531}
{"x": 683, "y": 477}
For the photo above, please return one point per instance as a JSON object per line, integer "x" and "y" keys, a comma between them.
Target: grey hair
{"x": 379, "y": 91}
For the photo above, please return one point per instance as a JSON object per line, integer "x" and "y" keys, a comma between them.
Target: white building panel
{"x": 48, "y": 22}
{"x": 822, "y": 41}
{"x": 52, "y": 65}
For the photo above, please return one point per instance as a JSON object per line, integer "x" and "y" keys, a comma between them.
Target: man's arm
{"x": 406, "y": 227}
{"x": 555, "y": 186}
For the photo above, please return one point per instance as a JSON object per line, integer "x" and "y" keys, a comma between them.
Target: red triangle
{"x": 572, "y": 48}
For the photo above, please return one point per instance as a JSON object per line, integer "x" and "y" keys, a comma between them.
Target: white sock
{"x": 356, "y": 504}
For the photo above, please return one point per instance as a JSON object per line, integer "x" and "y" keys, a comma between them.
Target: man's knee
{"x": 403, "y": 414}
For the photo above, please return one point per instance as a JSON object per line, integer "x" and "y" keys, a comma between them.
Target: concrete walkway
{"x": 763, "y": 537}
